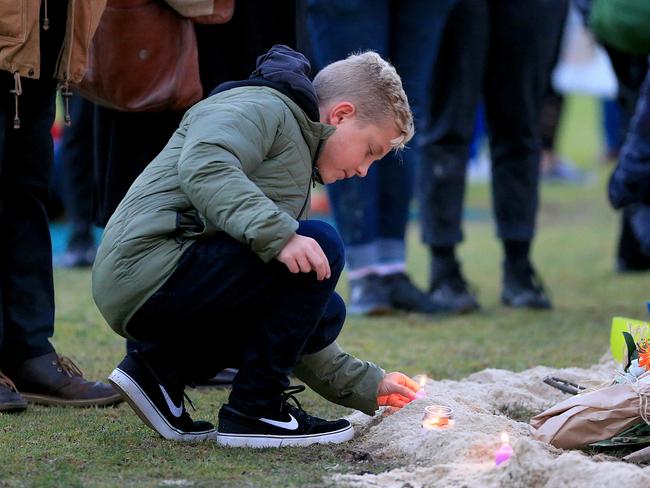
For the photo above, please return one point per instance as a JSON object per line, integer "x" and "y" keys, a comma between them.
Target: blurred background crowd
{"x": 487, "y": 83}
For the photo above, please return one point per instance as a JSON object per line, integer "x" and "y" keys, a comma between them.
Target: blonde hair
{"x": 373, "y": 86}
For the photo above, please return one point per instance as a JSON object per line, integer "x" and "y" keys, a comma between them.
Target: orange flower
{"x": 644, "y": 353}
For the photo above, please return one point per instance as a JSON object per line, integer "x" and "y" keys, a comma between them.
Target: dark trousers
{"x": 77, "y": 153}
{"x": 224, "y": 307}
{"x": 502, "y": 51}
{"x": 26, "y": 287}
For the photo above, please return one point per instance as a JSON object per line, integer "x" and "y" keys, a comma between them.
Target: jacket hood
{"x": 285, "y": 70}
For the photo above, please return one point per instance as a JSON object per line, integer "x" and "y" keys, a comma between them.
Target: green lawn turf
{"x": 574, "y": 251}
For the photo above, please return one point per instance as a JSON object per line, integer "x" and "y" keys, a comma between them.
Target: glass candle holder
{"x": 438, "y": 417}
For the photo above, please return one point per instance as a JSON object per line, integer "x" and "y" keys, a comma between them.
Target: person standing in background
{"x": 372, "y": 214}
{"x": 503, "y": 52}
{"x": 32, "y": 39}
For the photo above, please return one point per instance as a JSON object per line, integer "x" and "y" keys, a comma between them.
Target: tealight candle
{"x": 438, "y": 417}
{"x": 421, "y": 393}
{"x": 504, "y": 452}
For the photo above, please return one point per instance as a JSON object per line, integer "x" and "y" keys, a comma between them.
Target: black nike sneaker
{"x": 158, "y": 403}
{"x": 291, "y": 426}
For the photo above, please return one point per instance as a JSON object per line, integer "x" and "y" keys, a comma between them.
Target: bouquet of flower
{"x": 596, "y": 415}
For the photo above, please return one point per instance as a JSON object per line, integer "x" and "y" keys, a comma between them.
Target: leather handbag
{"x": 143, "y": 58}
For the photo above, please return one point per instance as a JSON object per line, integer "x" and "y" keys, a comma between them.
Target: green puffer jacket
{"x": 240, "y": 162}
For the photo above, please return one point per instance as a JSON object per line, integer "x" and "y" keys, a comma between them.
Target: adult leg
{"x": 359, "y": 26}
{"x": 456, "y": 89}
{"x": 26, "y": 355}
{"x": 27, "y": 287}
{"x": 517, "y": 72}
{"x": 125, "y": 143}
{"x": 415, "y": 31}
{"x": 10, "y": 399}
{"x": 77, "y": 153}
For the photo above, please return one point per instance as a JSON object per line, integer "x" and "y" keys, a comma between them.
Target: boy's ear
{"x": 340, "y": 112}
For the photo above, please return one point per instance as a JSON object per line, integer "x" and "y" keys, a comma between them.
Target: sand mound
{"x": 464, "y": 455}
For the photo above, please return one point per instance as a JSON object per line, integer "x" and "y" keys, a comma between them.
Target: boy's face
{"x": 354, "y": 146}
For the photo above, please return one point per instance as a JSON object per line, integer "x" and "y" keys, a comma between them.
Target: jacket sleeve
{"x": 224, "y": 144}
{"x": 341, "y": 378}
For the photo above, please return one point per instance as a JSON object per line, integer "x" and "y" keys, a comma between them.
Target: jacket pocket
{"x": 12, "y": 20}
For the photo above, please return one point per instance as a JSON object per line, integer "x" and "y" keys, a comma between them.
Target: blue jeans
{"x": 224, "y": 307}
{"x": 372, "y": 213}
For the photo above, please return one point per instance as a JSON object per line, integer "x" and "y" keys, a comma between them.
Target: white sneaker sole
{"x": 252, "y": 440}
{"x": 149, "y": 413}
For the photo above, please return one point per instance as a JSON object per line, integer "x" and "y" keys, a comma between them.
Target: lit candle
{"x": 504, "y": 452}
{"x": 438, "y": 417}
{"x": 420, "y": 394}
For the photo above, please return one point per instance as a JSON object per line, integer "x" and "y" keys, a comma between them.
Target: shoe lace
{"x": 5, "y": 381}
{"x": 289, "y": 394}
{"x": 67, "y": 366}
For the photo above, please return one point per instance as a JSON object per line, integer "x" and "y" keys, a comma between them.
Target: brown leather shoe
{"x": 10, "y": 399}
{"x": 55, "y": 380}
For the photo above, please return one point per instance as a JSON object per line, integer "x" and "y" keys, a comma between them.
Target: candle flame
{"x": 423, "y": 380}
{"x": 505, "y": 438}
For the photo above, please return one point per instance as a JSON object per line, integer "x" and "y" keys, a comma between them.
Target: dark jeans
{"x": 407, "y": 34}
{"x": 224, "y": 307}
{"x": 125, "y": 143}
{"x": 503, "y": 51}
{"x": 26, "y": 288}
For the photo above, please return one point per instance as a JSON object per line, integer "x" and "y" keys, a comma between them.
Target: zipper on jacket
{"x": 17, "y": 91}
{"x": 46, "y": 20}
{"x": 304, "y": 205}
{"x": 315, "y": 178}
{"x": 64, "y": 87}
{"x": 66, "y": 95}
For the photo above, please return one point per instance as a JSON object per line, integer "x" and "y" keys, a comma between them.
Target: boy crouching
{"x": 207, "y": 259}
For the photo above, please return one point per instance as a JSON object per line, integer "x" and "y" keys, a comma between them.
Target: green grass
{"x": 574, "y": 251}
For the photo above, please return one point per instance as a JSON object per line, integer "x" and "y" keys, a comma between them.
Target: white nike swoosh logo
{"x": 288, "y": 425}
{"x": 176, "y": 411}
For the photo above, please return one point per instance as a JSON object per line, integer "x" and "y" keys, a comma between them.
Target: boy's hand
{"x": 303, "y": 255}
{"x": 396, "y": 390}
